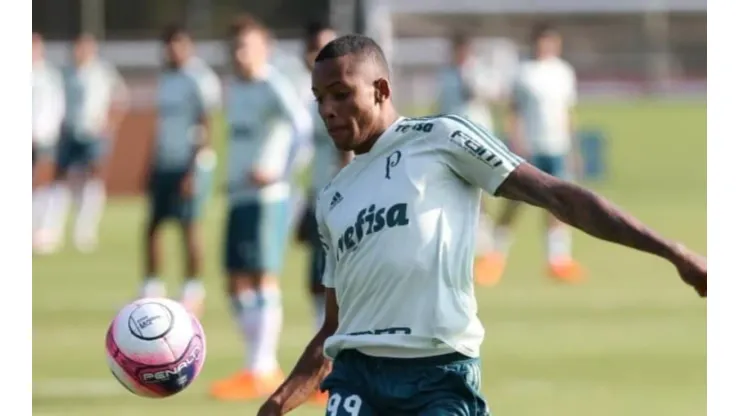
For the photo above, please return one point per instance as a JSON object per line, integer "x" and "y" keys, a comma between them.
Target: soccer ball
{"x": 155, "y": 347}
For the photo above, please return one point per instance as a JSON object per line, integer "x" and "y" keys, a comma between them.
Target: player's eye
{"x": 341, "y": 95}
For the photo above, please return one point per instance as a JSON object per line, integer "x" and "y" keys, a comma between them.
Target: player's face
{"x": 315, "y": 44}
{"x": 349, "y": 95}
{"x": 462, "y": 53}
{"x": 37, "y": 48}
{"x": 250, "y": 51}
{"x": 548, "y": 45}
{"x": 178, "y": 50}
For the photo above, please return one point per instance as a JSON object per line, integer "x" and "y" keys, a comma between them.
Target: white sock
{"x": 39, "y": 203}
{"x": 319, "y": 307}
{"x": 501, "y": 239}
{"x": 260, "y": 317}
{"x": 558, "y": 243}
{"x": 484, "y": 242}
{"x": 193, "y": 289}
{"x": 153, "y": 287}
{"x": 90, "y": 209}
{"x": 55, "y": 212}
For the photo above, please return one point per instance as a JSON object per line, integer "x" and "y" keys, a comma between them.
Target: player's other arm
{"x": 482, "y": 160}
{"x": 311, "y": 369}
{"x": 312, "y": 366}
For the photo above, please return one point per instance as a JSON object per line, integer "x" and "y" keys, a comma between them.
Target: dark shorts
{"x": 80, "y": 151}
{"x": 166, "y": 200}
{"x": 361, "y": 385}
{"x": 256, "y": 237}
{"x": 556, "y": 166}
{"x": 309, "y": 233}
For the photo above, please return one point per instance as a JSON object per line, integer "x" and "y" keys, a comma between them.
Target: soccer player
{"x": 327, "y": 161}
{"x": 96, "y": 100}
{"x": 541, "y": 128}
{"x": 182, "y": 162}
{"x": 466, "y": 90}
{"x": 47, "y": 112}
{"x": 265, "y": 121}
{"x": 398, "y": 226}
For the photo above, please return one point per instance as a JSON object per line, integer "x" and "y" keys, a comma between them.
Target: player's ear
{"x": 382, "y": 90}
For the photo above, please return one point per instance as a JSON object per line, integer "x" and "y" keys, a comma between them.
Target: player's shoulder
{"x": 443, "y": 126}
{"x": 280, "y": 84}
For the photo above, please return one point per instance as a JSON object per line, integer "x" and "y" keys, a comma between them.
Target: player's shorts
{"x": 553, "y": 165}
{"x": 165, "y": 195}
{"x": 256, "y": 237}
{"x": 308, "y": 232}
{"x": 360, "y": 385}
{"x": 79, "y": 150}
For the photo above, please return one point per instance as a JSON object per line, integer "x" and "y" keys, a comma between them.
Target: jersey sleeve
{"x": 570, "y": 81}
{"x": 475, "y": 155}
{"x": 329, "y": 265}
{"x": 291, "y": 107}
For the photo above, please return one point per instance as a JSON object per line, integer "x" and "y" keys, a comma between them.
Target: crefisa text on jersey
{"x": 369, "y": 221}
{"x": 478, "y": 149}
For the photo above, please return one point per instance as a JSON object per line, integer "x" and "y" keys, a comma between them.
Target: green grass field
{"x": 630, "y": 341}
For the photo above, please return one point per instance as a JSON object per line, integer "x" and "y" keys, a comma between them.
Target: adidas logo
{"x": 336, "y": 199}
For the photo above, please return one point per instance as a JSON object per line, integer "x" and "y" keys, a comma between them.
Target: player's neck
{"x": 384, "y": 122}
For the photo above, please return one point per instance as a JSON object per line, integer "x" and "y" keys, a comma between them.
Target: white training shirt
{"x": 544, "y": 92}
{"x": 398, "y": 226}
{"x": 467, "y": 91}
{"x": 47, "y": 92}
{"x": 90, "y": 91}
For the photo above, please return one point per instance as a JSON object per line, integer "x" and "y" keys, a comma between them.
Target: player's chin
{"x": 343, "y": 139}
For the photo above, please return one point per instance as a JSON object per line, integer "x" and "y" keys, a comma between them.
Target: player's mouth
{"x": 334, "y": 130}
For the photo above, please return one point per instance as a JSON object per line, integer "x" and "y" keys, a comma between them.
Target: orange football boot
{"x": 489, "y": 268}
{"x": 246, "y": 386}
{"x": 566, "y": 270}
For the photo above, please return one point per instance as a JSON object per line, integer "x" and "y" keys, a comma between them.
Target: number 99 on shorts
{"x": 350, "y": 405}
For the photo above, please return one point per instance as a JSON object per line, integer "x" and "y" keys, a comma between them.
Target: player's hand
{"x": 187, "y": 186}
{"x": 270, "y": 408}
{"x": 260, "y": 179}
{"x": 693, "y": 270}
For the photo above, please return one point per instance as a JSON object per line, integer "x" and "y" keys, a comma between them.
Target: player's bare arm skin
{"x": 600, "y": 218}
{"x": 311, "y": 368}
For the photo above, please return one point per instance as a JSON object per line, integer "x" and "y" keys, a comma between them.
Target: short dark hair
{"x": 245, "y": 23}
{"x": 314, "y": 27}
{"x": 542, "y": 29}
{"x": 460, "y": 39}
{"x": 173, "y": 31}
{"x": 356, "y": 45}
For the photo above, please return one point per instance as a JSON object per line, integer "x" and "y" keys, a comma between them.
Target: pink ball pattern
{"x": 162, "y": 371}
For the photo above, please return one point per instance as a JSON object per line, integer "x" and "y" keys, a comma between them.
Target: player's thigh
{"x": 256, "y": 234}
{"x": 346, "y": 402}
{"x": 453, "y": 389}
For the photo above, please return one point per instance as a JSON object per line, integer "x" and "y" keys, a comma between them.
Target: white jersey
{"x": 544, "y": 92}
{"x": 90, "y": 90}
{"x": 47, "y": 92}
{"x": 467, "y": 91}
{"x": 398, "y": 228}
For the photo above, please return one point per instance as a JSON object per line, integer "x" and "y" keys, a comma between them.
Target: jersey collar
{"x": 382, "y": 143}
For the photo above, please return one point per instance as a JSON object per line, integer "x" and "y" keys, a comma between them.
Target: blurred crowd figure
{"x": 540, "y": 127}
{"x": 77, "y": 110}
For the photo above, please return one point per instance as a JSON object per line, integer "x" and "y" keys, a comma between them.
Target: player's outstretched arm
{"x": 600, "y": 218}
{"x": 311, "y": 369}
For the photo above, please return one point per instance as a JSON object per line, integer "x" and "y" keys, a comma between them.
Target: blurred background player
{"x": 182, "y": 162}
{"x": 47, "y": 91}
{"x": 327, "y": 161}
{"x": 541, "y": 128}
{"x": 265, "y": 119}
{"x": 96, "y": 100}
{"x": 466, "y": 89}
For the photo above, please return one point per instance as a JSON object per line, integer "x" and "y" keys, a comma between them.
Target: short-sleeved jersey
{"x": 398, "y": 228}
{"x": 465, "y": 91}
{"x": 185, "y": 97}
{"x": 544, "y": 92}
{"x": 90, "y": 90}
{"x": 47, "y": 91}
{"x": 266, "y": 121}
